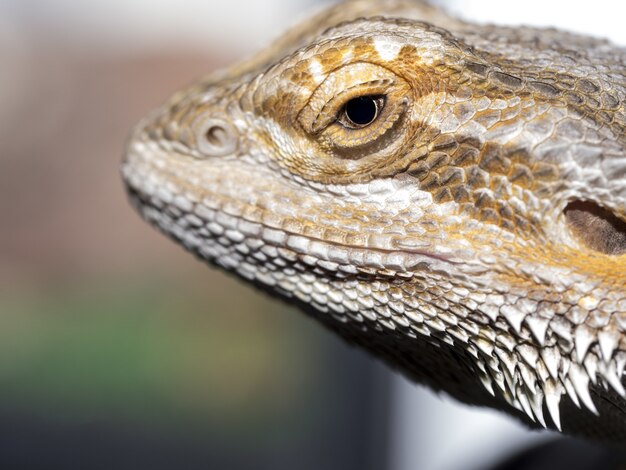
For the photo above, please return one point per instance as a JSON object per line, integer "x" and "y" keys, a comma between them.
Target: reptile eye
{"x": 361, "y": 111}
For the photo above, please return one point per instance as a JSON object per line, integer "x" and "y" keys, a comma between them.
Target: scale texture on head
{"x": 451, "y": 197}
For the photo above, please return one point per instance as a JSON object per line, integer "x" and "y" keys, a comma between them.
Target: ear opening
{"x": 596, "y": 227}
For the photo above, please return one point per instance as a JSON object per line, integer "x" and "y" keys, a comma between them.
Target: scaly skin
{"x": 472, "y": 234}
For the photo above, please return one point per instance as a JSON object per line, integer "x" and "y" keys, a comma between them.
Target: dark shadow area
{"x": 567, "y": 454}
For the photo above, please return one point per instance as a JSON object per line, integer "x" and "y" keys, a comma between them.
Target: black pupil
{"x": 361, "y": 110}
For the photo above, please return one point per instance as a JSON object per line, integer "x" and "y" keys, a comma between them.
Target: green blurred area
{"x": 155, "y": 352}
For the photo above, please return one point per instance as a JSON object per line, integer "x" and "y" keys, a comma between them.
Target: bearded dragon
{"x": 449, "y": 196}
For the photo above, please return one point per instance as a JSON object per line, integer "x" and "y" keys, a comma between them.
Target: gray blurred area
{"x": 118, "y": 350}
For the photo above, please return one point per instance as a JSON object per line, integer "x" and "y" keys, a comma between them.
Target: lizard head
{"x": 452, "y": 202}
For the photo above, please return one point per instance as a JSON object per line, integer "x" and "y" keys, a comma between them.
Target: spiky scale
{"x": 583, "y": 337}
{"x": 536, "y": 402}
{"x": 529, "y": 354}
{"x": 507, "y": 359}
{"x": 580, "y": 381}
{"x": 571, "y": 391}
{"x": 528, "y": 376}
{"x": 514, "y": 316}
{"x": 553, "y": 399}
{"x": 609, "y": 372}
{"x": 552, "y": 359}
{"x": 487, "y": 383}
{"x": 523, "y": 400}
{"x": 591, "y": 366}
{"x": 538, "y": 326}
{"x": 608, "y": 339}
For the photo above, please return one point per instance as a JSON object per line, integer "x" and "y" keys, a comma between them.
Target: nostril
{"x": 217, "y": 138}
{"x": 216, "y": 135}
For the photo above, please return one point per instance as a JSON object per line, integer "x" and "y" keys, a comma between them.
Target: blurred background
{"x": 118, "y": 350}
